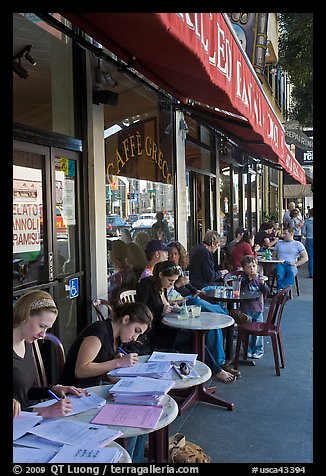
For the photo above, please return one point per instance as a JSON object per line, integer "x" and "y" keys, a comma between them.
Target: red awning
{"x": 194, "y": 56}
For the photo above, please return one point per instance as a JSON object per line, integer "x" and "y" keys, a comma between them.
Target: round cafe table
{"x": 158, "y": 438}
{"x": 233, "y": 303}
{"x": 199, "y": 326}
{"x": 268, "y": 265}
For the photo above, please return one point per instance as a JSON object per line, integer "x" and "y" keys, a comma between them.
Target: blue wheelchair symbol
{"x": 73, "y": 284}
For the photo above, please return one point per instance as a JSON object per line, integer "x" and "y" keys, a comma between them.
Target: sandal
{"x": 229, "y": 379}
{"x": 231, "y": 370}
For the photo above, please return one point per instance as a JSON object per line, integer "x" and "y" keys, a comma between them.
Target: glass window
{"x": 198, "y": 158}
{"x": 225, "y": 203}
{"x": 138, "y": 155}
{"x": 29, "y": 219}
{"x": 65, "y": 236}
{"x": 42, "y": 85}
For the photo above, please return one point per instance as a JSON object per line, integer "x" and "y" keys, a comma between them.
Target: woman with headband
{"x": 34, "y": 313}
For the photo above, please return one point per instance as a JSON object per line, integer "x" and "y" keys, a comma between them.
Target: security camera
{"x": 18, "y": 69}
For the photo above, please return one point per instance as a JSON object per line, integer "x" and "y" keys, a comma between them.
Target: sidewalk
{"x": 272, "y": 421}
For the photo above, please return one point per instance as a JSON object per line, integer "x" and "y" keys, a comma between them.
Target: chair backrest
{"x": 276, "y": 308}
{"x": 128, "y": 296}
{"x": 230, "y": 275}
{"x": 102, "y": 307}
{"x": 42, "y": 378}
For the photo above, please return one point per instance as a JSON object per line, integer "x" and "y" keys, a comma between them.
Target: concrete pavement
{"x": 273, "y": 417}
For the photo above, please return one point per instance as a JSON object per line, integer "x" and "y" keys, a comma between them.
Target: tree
{"x": 295, "y": 57}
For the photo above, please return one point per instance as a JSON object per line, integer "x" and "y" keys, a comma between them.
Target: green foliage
{"x": 296, "y": 57}
{"x": 273, "y": 216}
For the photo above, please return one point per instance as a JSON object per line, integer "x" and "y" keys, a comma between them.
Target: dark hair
{"x": 167, "y": 268}
{"x": 159, "y": 216}
{"x": 248, "y": 259}
{"x": 137, "y": 312}
{"x": 246, "y": 237}
{"x": 184, "y": 258}
{"x": 266, "y": 225}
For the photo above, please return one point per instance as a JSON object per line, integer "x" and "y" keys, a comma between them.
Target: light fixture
{"x": 17, "y": 67}
{"x": 29, "y": 57}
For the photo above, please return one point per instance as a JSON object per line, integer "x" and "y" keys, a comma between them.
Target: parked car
{"x": 132, "y": 218}
{"x": 114, "y": 225}
{"x": 145, "y": 219}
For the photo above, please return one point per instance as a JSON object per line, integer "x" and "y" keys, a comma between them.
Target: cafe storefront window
{"x": 139, "y": 166}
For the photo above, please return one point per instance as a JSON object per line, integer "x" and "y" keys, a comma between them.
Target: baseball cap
{"x": 239, "y": 230}
{"x": 156, "y": 245}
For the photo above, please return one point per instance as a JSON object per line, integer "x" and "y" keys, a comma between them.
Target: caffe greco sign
{"x": 134, "y": 152}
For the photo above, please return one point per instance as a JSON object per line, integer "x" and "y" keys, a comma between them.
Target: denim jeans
{"x": 310, "y": 251}
{"x": 255, "y": 343}
{"x": 285, "y": 274}
{"x": 136, "y": 448}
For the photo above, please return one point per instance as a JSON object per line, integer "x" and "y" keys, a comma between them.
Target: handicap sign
{"x": 73, "y": 284}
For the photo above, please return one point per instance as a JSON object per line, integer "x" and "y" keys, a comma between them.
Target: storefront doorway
{"x": 46, "y": 232}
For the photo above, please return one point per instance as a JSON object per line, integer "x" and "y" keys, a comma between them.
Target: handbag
{"x": 183, "y": 451}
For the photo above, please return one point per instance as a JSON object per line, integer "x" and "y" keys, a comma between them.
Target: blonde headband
{"x": 43, "y": 303}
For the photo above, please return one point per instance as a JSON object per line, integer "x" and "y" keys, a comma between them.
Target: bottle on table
{"x": 184, "y": 313}
{"x": 268, "y": 254}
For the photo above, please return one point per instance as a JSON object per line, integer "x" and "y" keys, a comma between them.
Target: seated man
{"x": 288, "y": 250}
{"x": 202, "y": 272}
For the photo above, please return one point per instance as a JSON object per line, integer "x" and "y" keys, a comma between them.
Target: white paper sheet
{"x": 79, "y": 404}
{"x": 73, "y": 432}
{"x": 173, "y": 357}
{"x": 77, "y": 454}
{"x": 31, "y": 455}
{"x": 144, "y": 369}
{"x": 23, "y": 423}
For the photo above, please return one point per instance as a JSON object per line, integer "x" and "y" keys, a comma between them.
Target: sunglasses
{"x": 175, "y": 268}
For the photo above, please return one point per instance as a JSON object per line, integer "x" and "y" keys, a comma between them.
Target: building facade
{"x": 103, "y": 131}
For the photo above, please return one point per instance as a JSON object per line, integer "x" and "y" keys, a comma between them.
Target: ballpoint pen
{"x": 54, "y": 395}
{"x": 122, "y": 351}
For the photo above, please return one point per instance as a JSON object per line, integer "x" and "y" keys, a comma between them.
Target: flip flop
{"x": 230, "y": 379}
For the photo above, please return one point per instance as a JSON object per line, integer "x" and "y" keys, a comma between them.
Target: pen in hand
{"x": 122, "y": 351}
{"x": 54, "y": 395}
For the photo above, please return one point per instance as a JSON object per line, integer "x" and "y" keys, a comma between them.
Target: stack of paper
{"x": 66, "y": 454}
{"x": 143, "y": 369}
{"x": 129, "y": 415}
{"x": 148, "y": 399}
{"x": 72, "y": 432}
{"x": 173, "y": 357}
{"x": 140, "y": 390}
